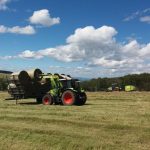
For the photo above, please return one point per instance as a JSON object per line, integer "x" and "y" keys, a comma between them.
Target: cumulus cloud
{"x": 145, "y": 51}
{"x": 85, "y": 43}
{"x": 98, "y": 47}
{"x": 3, "y": 4}
{"x": 43, "y": 17}
{"x": 106, "y": 62}
{"x": 29, "y": 54}
{"x": 17, "y": 30}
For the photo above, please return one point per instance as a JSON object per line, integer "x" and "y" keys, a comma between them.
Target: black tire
{"x": 47, "y": 100}
{"x": 39, "y": 100}
{"x": 68, "y": 98}
{"x": 57, "y": 103}
{"x": 81, "y": 99}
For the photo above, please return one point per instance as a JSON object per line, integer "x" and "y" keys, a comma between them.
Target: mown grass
{"x": 115, "y": 120}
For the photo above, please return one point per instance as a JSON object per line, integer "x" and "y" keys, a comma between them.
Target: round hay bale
{"x": 35, "y": 74}
{"x": 24, "y": 77}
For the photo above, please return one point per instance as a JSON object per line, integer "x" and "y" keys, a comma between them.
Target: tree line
{"x": 3, "y": 84}
{"x": 4, "y": 75}
{"x": 140, "y": 81}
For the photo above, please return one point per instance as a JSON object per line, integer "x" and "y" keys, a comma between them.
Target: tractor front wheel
{"x": 47, "y": 100}
{"x": 82, "y": 99}
{"x": 68, "y": 98}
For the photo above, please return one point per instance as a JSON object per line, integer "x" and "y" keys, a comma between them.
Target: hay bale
{"x": 34, "y": 74}
{"x": 24, "y": 78}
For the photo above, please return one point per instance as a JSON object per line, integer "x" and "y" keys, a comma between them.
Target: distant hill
{"x": 82, "y": 78}
{"x": 5, "y": 72}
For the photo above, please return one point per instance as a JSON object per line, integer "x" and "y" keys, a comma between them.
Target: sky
{"x": 83, "y": 38}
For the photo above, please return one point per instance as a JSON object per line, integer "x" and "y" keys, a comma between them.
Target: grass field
{"x": 115, "y": 120}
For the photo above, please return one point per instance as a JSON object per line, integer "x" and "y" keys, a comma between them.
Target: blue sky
{"x": 86, "y": 38}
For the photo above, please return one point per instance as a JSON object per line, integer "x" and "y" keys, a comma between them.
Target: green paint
{"x": 129, "y": 88}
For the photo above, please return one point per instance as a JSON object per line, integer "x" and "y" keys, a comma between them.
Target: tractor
{"x": 71, "y": 91}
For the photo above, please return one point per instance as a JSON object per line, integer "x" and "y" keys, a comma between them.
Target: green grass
{"x": 116, "y": 120}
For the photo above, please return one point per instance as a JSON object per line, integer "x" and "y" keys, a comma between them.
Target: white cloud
{"x": 3, "y": 29}
{"x": 18, "y": 30}
{"x": 132, "y": 16}
{"x": 142, "y": 15}
{"x": 104, "y": 34}
{"x": 107, "y": 63}
{"x": 73, "y": 71}
{"x": 131, "y": 49}
{"x": 145, "y": 51}
{"x": 3, "y": 4}
{"x": 29, "y": 54}
{"x": 145, "y": 19}
{"x": 98, "y": 47}
{"x": 85, "y": 43}
{"x": 43, "y": 17}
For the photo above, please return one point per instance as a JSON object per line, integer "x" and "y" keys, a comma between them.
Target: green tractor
{"x": 46, "y": 88}
{"x": 64, "y": 90}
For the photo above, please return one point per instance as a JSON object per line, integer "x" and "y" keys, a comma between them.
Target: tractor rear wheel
{"x": 68, "y": 98}
{"x": 47, "y": 100}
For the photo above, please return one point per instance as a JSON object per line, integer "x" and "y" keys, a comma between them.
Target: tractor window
{"x": 66, "y": 84}
{"x": 69, "y": 83}
{"x": 77, "y": 84}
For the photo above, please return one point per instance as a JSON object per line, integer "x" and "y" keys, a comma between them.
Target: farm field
{"x": 115, "y": 120}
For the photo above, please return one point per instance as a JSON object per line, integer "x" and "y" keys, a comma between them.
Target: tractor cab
{"x": 70, "y": 83}
{"x": 66, "y": 84}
